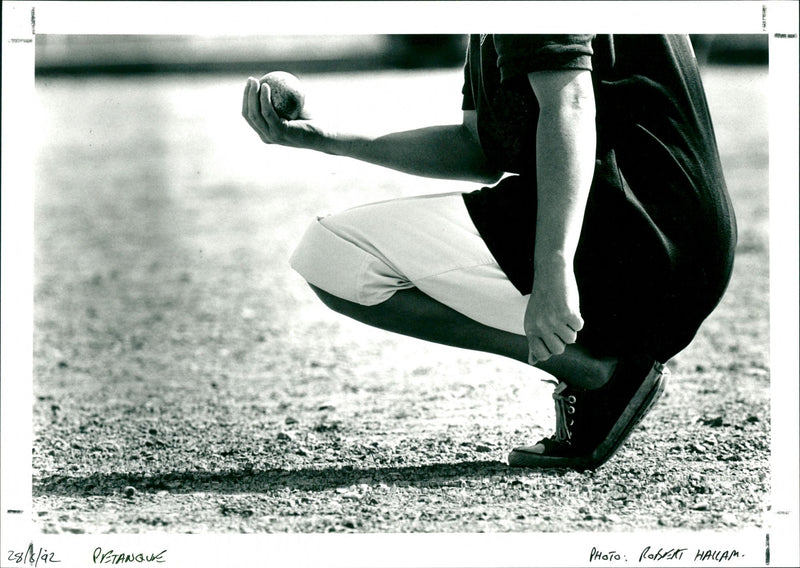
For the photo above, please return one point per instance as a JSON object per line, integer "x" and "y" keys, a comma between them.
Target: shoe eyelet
{"x": 570, "y": 410}
{"x": 571, "y": 399}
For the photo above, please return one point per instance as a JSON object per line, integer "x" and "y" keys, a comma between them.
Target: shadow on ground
{"x": 255, "y": 481}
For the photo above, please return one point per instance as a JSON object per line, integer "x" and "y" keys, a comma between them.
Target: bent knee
{"x": 339, "y": 266}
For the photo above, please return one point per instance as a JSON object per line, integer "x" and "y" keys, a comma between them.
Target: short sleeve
{"x": 468, "y": 95}
{"x": 468, "y": 100}
{"x": 523, "y": 54}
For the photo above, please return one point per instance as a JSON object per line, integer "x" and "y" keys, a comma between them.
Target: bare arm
{"x": 447, "y": 151}
{"x": 565, "y": 157}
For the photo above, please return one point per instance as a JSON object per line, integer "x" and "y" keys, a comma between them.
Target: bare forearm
{"x": 448, "y": 152}
{"x": 565, "y": 166}
{"x": 565, "y": 154}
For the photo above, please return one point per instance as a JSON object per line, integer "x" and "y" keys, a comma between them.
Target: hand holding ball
{"x": 287, "y": 94}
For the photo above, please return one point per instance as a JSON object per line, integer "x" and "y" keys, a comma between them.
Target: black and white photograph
{"x": 359, "y": 284}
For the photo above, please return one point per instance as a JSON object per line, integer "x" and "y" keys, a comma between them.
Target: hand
{"x": 552, "y": 318}
{"x": 257, "y": 110}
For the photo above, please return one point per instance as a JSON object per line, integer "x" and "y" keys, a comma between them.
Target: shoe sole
{"x": 640, "y": 404}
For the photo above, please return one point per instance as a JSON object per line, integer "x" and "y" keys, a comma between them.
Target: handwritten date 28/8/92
{"x": 32, "y": 557}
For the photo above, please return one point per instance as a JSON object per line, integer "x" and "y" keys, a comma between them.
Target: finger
{"x": 575, "y": 322}
{"x": 567, "y": 335}
{"x": 250, "y": 105}
{"x": 553, "y": 343}
{"x": 271, "y": 118}
{"x": 265, "y": 98}
{"x": 255, "y": 111}
{"x": 538, "y": 351}
{"x": 244, "y": 98}
{"x": 252, "y": 100}
{"x": 254, "y": 104}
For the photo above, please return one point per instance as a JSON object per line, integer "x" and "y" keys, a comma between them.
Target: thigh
{"x": 417, "y": 236}
{"x": 431, "y": 242}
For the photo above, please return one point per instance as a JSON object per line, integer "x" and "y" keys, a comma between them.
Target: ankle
{"x": 595, "y": 373}
{"x": 579, "y": 368}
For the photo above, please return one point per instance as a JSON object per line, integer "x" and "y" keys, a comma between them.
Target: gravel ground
{"x": 186, "y": 381}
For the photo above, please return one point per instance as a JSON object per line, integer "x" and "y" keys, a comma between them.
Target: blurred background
{"x": 82, "y": 54}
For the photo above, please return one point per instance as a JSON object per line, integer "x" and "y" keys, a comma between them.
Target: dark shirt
{"x": 659, "y": 233}
{"x": 496, "y": 85}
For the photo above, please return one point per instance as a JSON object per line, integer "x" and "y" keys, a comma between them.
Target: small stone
{"x": 752, "y": 419}
{"x": 130, "y": 492}
{"x": 74, "y": 530}
{"x": 714, "y": 422}
{"x": 483, "y": 448}
{"x": 348, "y": 493}
{"x": 700, "y": 506}
{"x": 284, "y": 436}
{"x": 611, "y": 518}
{"x": 290, "y": 420}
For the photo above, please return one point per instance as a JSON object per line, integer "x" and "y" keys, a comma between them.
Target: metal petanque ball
{"x": 287, "y": 93}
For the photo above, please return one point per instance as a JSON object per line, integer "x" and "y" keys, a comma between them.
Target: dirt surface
{"x": 187, "y": 381}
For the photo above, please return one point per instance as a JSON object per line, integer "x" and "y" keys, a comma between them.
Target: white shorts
{"x": 368, "y": 253}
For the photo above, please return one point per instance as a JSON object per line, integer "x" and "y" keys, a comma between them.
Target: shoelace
{"x": 564, "y": 409}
